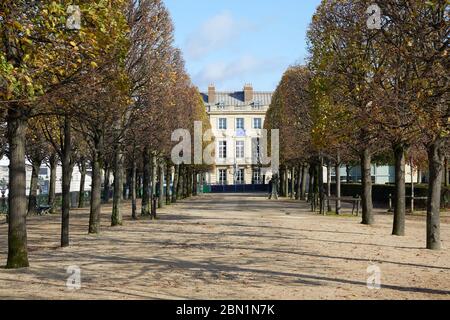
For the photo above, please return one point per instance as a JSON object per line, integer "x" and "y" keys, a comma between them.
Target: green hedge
{"x": 381, "y": 192}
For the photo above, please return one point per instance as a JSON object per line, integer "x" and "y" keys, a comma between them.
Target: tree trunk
{"x": 180, "y": 185}
{"x": 81, "y": 195}
{"x": 116, "y": 216}
{"x": 435, "y": 160}
{"x": 298, "y": 185}
{"x": 366, "y": 197}
{"x": 133, "y": 191}
{"x": 154, "y": 178}
{"x": 446, "y": 175}
{"x": 34, "y": 184}
{"x": 53, "y": 161}
{"x": 188, "y": 182}
{"x": 168, "y": 183}
{"x": 321, "y": 187}
{"x": 400, "y": 191}
{"x": 311, "y": 181}
{"x": 303, "y": 182}
{"x": 67, "y": 168}
{"x": 96, "y": 201}
{"x": 195, "y": 184}
{"x": 175, "y": 184}
{"x": 161, "y": 185}
{"x": 17, "y": 226}
{"x": 146, "y": 206}
{"x": 347, "y": 169}
{"x": 106, "y": 184}
{"x": 337, "y": 168}
{"x": 329, "y": 185}
{"x": 293, "y": 182}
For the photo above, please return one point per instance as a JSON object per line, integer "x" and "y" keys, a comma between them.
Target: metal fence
{"x": 241, "y": 188}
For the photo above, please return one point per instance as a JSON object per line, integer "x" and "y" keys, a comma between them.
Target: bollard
{"x": 390, "y": 203}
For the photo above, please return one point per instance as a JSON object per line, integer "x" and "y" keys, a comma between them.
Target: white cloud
{"x": 245, "y": 66}
{"x": 215, "y": 33}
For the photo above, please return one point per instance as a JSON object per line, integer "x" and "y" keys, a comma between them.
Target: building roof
{"x": 237, "y": 98}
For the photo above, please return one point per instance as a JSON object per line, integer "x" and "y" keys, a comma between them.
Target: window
{"x": 240, "y": 124}
{"x": 257, "y": 123}
{"x": 222, "y": 176}
{"x": 240, "y": 150}
{"x": 257, "y": 176}
{"x": 43, "y": 171}
{"x": 240, "y": 176}
{"x": 223, "y": 124}
{"x": 257, "y": 105}
{"x": 222, "y": 149}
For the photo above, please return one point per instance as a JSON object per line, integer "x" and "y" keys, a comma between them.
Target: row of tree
{"x": 370, "y": 94}
{"x": 105, "y": 97}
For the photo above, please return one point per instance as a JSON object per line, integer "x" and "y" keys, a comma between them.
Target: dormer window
{"x": 221, "y": 105}
{"x": 257, "y": 105}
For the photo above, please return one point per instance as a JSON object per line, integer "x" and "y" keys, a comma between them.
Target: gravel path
{"x": 230, "y": 247}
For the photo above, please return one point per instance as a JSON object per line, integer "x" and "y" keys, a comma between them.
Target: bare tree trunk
{"x": 96, "y": 201}
{"x": 293, "y": 182}
{"x": 286, "y": 182}
{"x": 17, "y": 209}
{"x": 168, "y": 183}
{"x": 347, "y": 171}
{"x": 337, "y": 168}
{"x": 312, "y": 171}
{"x": 53, "y": 161}
{"x": 154, "y": 172}
{"x": 329, "y": 185}
{"x": 435, "y": 160}
{"x": 446, "y": 175}
{"x": 67, "y": 168}
{"x": 146, "y": 206}
{"x": 188, "y": 182}
{"x": 366, "y": 197}
{"x": 107, "y": 183}
{"x": 81, "y": 195}
{"x": 32, "y": 197}
{"x": 400, "y": 191}
{"x": 116, "y": 217}
{"x": 195, "y": 184}
{"x": 321, "y": 187}
{"x": 175, "y": 184}
{"x": 298, "y": 185}
{"x": 180, "y": 189}
{"x": 133, "y": 191}
{"x": 161, "y": 185}
{"x": 303, "y": 182}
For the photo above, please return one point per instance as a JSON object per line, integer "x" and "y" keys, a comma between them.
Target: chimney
{"x": 211, "y": 94}
{"x": 248, "y": 93}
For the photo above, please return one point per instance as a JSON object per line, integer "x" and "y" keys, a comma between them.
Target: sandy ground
{"x": 230, "y": 247}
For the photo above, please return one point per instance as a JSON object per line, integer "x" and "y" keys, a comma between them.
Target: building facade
{"x": 44, "y": 178}
{"x": 237, "y": 120}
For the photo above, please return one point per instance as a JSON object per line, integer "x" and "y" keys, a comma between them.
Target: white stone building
{"x": 44, "y": 177}
{"x": 237, "y": 120}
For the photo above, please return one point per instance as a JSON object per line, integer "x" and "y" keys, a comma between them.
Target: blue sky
{"x": 233, "y": 42}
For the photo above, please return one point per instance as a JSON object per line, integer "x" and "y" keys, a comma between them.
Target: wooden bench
{"x": 356, "y": 201}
